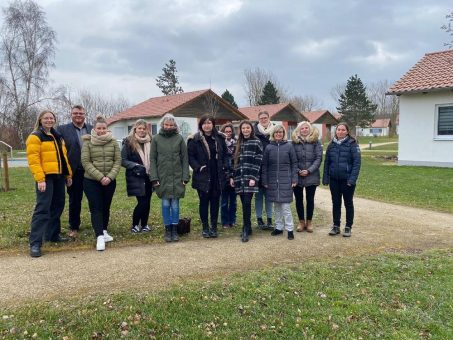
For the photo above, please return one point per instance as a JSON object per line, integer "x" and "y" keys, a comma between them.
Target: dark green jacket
{"x": 169, "y": 164}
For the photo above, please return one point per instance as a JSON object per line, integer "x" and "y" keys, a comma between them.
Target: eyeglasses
{"x": 280, "y": 131}
{"x": 78, "y": 113}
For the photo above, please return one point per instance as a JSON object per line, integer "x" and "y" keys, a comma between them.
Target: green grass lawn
{"x": 387, "y": 147}
{"x": 423, "y": 187}
{"x": 390, "y": 296}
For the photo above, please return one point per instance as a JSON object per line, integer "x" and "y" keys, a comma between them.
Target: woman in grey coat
{"x": 279, "y": 177}
{"x": 309, "y": 156}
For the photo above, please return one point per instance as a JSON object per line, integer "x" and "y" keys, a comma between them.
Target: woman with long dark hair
{"x": 207, "y": 158}
{"x": 341, "y": 170}
{"x": 48, "y": 162}
{"x": 135, "y": 157}
{"x": 246, "y": 172}
{"x": 228, "y": 204}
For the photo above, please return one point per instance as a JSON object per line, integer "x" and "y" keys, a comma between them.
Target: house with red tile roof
{"x": 324, "y": 121}
{"x": 380, "y": 128}
{"x": 187, "y": 107}
{"x": 282, "y": 112}
{"x": 426, "y": 111}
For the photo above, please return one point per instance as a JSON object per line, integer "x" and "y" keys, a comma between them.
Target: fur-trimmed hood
{"x": 311, "y": 138}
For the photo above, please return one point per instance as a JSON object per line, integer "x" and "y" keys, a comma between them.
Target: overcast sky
{"x": 118, "y": 47}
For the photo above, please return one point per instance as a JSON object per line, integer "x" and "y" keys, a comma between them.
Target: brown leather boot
{"x": 309, "y": 227}
{"x": 301, "y": 226}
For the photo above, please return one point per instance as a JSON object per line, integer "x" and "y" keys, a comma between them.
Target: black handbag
{"x": 184, "y": 225}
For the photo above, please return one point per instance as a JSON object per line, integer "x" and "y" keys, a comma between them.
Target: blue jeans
{"x": 228, "y": 206}
{"x": 170, "y": 210}
{"x": 259, "y": 197}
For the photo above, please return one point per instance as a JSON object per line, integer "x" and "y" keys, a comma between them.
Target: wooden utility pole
{"x": 5, "y": 171}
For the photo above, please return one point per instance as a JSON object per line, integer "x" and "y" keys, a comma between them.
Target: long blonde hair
{"x": 131, "y": 139}
{"x": 38, "y": 119}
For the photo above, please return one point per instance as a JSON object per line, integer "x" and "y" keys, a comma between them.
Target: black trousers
{"x": 45, "y": 222}
{"x": 340, "y": 189}
{"x": 99, "y": 200}
{"x": 246, "y": 200}
{"x": 309, "y": 197}
{"x": 75, "y": 192}
{"x": 209, "y": 201}
{"x": 141, "y": 211}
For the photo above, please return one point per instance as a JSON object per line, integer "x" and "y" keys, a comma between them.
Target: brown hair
{"x": 241, "y": 139}
{"x": 79, "y": 107}
{"x": 100, "y": 119}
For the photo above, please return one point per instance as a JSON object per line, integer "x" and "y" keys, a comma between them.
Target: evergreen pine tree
{"x": 355, "y": 106}
{"x": 269, "y": 95}
{"x": 168, "y": 81}
{"x": 229, "y": 98}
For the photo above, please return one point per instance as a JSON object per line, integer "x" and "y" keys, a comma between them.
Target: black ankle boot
{"x": 167, "y": 236}
{"x": 174, "y": 233}
{"x": 245, "y": 235}
{"x": 260, "y": 222}
{"x": 269, "y": 224}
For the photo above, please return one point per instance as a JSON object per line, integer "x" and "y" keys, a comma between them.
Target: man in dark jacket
{"x": 262, "y": 131}
{"x": 72, "y": 134}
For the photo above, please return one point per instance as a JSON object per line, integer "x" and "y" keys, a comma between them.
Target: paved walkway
{"x": 379, "y": 227}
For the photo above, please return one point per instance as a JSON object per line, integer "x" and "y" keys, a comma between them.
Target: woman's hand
{"x": 303, "y": 173}
{"x": 232, "y": 182}
{"x": 252, "y": 183}
{"x": 42, "y": 186}
{"x": 68, "y": 182}
{"x": 294, "y": 185}
{"x": 105, "y": 181}
{"x": 156, "y": 184}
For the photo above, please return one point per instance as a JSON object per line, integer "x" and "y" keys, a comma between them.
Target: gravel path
{"x": 379, "y": 227}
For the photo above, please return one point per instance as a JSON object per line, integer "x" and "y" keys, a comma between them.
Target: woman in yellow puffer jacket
{"x": 48, "y": 162}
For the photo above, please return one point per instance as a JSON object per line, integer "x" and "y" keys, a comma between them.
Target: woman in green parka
{"x": 101, "y": 159}
{"x": 169, "y": 172}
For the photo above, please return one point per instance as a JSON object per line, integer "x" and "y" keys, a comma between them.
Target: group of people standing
{"x": 261, "y": 161}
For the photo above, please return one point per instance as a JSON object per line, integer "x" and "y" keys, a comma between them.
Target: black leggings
{"x": 141, "y": 211}
{"x": 339, "y": 189}
{"x": 246, "y": 200}
{"x": 310, "y": 198}
{"x": 209, "y": 201}
{"x": 99, "y": 200}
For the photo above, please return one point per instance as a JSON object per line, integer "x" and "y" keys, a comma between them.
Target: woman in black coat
{"x": 135, "y": 157}
{"x": 341, "y": 170}
{"x": 208, "y": 160}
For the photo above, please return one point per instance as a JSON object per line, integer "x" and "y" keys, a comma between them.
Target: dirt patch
{"x": 379, "y": 227}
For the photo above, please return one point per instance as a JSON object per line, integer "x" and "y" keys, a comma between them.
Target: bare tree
{"x": 387, "y": 106}
{"x": 210, "y": 104}
{"x": 93, "y": 102}
{"x": 448, "y": 29}
{"x": 27, "y": 51}
{"x": 337, "y": 91}
{"x": 255, "y": 80}
{"x": 305, "y": 103}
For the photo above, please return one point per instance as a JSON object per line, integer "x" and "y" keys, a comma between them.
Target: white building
{"x": 426, "y": 111}
{"x": 380, "y": 128}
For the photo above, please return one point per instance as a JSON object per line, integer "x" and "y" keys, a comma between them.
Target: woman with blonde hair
{"x": 279, "y": 177}
{"x": 101, "y": 159}
{"x": 135, "y": 157}
{"x": 309, "y": 156}
{"x": 48, "y": 162}
{"x": 169, "y": 172}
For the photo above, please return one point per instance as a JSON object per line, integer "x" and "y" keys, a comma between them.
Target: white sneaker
{"x": 100, "y": 244}
{"x": 107, "y": 237}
